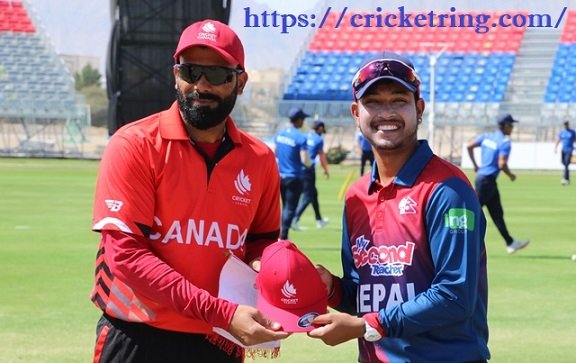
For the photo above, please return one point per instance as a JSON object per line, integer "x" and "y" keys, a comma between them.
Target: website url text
{"x": 481, "y": 22}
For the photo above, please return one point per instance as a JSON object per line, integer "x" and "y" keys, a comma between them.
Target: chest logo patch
{"x": 381, "y": 259}
{"x": 242, "y": 183}
{"x": 243, "y": 186}
{"x": 407, "y": 206}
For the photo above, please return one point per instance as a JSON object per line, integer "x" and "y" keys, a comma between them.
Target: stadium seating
{"x": 471, "y": 67}
{"x": 36, "y": 89}
{"x": 13, "y": 17}
{"x": 562, "y": 83}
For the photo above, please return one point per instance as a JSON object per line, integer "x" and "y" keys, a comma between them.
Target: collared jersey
{"x": 155, "y": 185}
{"x": 493, "y": 145}
{"x": 289, "y": 142}
{"x": 568, "y": 137}
{"x": 414, "y": 252}
{"x": 315, "y": 144}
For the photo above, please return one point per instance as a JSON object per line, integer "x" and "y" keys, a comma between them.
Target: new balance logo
{"x": 242, "y": 183}
{"x": 113, "y": 205}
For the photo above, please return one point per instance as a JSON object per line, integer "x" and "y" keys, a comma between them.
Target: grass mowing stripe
{"x": 47, "y": 255}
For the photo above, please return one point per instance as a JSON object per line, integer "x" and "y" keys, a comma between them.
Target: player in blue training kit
{"x": 567, "y": 137}
{"x": 292, "y": 157}
{"x": 315, "y": 145}
{"x": 413, "y": 252}
{"x": 366, "y": 153}
{"x": 495, "y": 151}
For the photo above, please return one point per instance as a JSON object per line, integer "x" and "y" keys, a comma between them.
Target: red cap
{"x": 215, "y": 35}
{"x": 290, "y": 290}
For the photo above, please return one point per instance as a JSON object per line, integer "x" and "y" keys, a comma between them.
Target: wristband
{"x": 373, "y": 330}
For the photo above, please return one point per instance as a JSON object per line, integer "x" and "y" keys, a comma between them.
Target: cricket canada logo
{"x": 243, "y": 186}
{"x": 242, "y": 183}
{"x": 289, "y": 294}
{"x": 208, "y": 32}
{"x": 382, "y": 260}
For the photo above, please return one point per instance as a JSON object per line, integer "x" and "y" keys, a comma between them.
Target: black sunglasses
{"x": 217, "y": 75}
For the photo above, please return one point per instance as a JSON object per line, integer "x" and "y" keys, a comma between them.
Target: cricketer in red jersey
{"x": 177, "y": 192}
{"x": 413, "y": 253}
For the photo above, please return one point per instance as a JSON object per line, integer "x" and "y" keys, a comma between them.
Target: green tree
{"x": 87, "y": 77}
{"x": 98, "y": 100}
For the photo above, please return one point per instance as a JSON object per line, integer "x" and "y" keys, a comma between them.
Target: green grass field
{"x": 47, "y": 255}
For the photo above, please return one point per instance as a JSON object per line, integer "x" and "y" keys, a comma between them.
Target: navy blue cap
{"x": 505, "y": 118}
{"x": 317, "y": 124}
{"x": 296, "y": 112}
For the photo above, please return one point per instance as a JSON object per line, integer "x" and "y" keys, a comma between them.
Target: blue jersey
{"x": 414, "y": 252}
{"x": 364, "y": 144}
{"x": 567, "y": 136}
{"x": 289, "y": 142}
{"x": 315, "y": 144}
{"x": 493, "y": 145}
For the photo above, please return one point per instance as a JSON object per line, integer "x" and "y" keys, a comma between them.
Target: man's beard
{"x": 204, "y": 117}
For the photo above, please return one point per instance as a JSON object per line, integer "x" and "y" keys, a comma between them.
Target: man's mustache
{"x": 195, "y": 95}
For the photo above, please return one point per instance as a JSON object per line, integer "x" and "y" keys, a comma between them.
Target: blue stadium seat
{"x": 482, "y": 97}
{"x": 564, "y": 97}
{"x": 477, "y": 75}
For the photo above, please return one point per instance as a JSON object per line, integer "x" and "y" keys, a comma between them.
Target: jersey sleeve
{"x": 303, "y": 141}
{"x": 265, "y": 227}
{"x": 130, "y": 259}
{"x": 319, "y": 146}
{"x": 456, "y": 227}
{"x": 479, "y": 139}
{"x": 505, "y": 148}
{"x": 124, "y": 197}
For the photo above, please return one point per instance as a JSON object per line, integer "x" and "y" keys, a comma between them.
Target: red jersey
{"x": 169, "y": 218}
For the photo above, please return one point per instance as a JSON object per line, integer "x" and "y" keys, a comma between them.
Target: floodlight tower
{"x": 433, "y": 57}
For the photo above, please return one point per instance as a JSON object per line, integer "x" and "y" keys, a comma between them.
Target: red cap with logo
{"x": 215, "y": 35}
{"x": 290, "y": 290}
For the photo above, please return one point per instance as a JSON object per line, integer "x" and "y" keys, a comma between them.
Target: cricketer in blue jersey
{"x": 566, "y": 137}
{"x": 413, "y": 253}
{"x": 292, "y": 157}
{"x": 495, "y": 151}
{"x": 365, "y": 150}
{"x": 315, "y": 145}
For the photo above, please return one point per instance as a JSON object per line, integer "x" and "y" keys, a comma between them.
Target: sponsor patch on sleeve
{"x": 459, "y": 219}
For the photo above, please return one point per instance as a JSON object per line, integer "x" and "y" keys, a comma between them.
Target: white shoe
{"x": 565, "y": 182}
{"x": 516, "y": 245}
{"x": 296, "y": 227}
{"x": 321, "y": 223}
